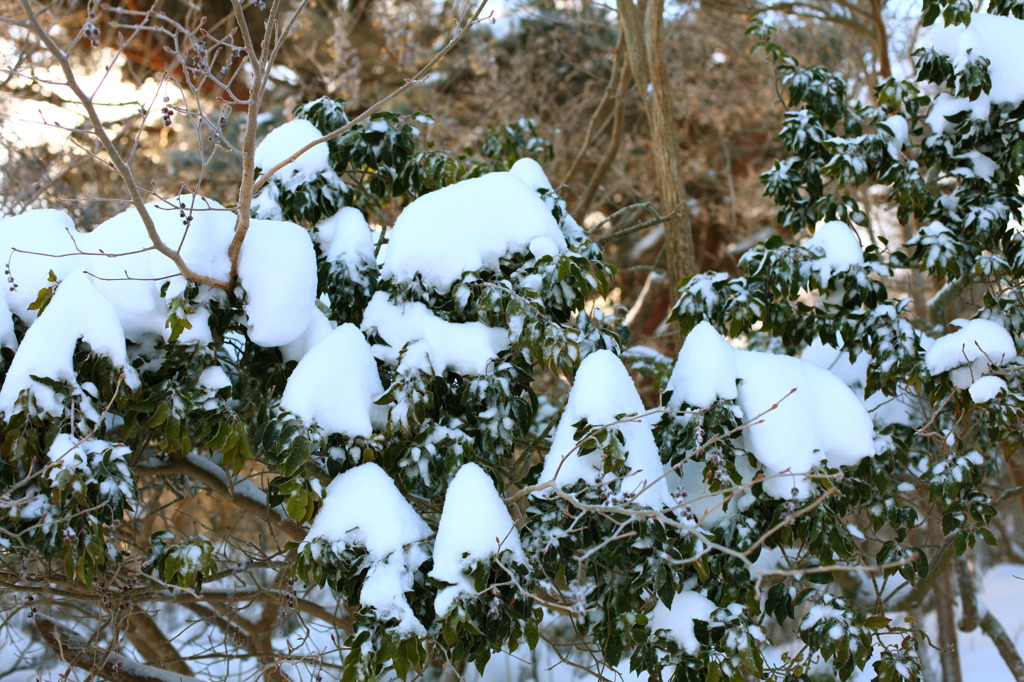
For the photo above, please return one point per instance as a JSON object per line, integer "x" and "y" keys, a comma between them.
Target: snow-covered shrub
{"x": 406, "y": 503}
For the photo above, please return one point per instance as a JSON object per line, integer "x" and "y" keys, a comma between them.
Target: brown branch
{"x": 460, "y": 32}
{"x": 146, "y": 636}
{"x": 104, "y": 663}
{"x": 292, "y": 530}
{"x": 115, "y": 162}
{"x": 991, "y": 626}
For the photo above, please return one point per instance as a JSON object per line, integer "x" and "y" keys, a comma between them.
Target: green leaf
{"x": 532, "y": 634}
{"x": 877, "y": 622}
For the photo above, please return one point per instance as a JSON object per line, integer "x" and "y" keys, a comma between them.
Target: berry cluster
{"x": 90, "y": 30}
{"x": 199, "y": 57}
{"x": 167, "y": 112}
{"x": 10, "y": 278}
{"x": 234, "y": 54}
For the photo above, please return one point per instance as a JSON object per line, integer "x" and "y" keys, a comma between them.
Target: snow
{"x": 840, "y": 248}
{"x": 132, "y": 276}
{"x": 970, "y": 352}
{"x": 474, "y": 526}
{"x": 900, "y": 129}
{"x": 7, "y": 337}
{"x": 467, "y": 348}
{"x": 39, "y": 236}
{"x": 277, "y": 269}
{"x": 705, "y": 370}
{"x": 346, "y": 237}
{"x": 214, "y": 378}
{"x": 986, "y": 388}
{"x": 884, "y": 410}
{"x": 820, "y": 419}
{"x": 76, "y": 312}
{"x": 677, "y": 622}
{"x": 335, "y": 384}
{"x": 75, "y": 454}
{"x": 364, "y": 508}
{"x": 318, "y": 328}
{"x": 946, "y": 105}
{"x": 284, "y": 141}
{"x": 981, "y": 166}
{"x": 466, "y": 227}
{"x": 531, "y": 173}
{"x": 601, "y": 392}
{"x": 994, "y": 37}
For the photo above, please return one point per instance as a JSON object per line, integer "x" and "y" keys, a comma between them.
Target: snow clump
{"x": 677, "y": 622}
{"x": 277, "y": 269}
{"x": 475, "y": 526}
{"x": 335, "y": 384}
{"x": 970, "y": 352}
{"x": 363, "y": 508}
{"x": 466, "y": 227}
{"x": 601, "y": 393}
{"x": 284, "y": 141}
{"x": 797, "y": 413}
{"x": 467, "y": 348}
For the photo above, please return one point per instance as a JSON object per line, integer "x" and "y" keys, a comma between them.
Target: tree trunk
{"x": 645, "y": 45}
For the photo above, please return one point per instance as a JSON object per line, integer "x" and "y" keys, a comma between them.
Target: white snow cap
{"x": 284, "y": 141}
{"x": 204, "y": 247}
{"x": 971, "y": 351}
{"x": 821, "y": 419}
{"x": 316, "y": 331}
{"x": 346, "y": 237}
{"x": 475, "y": 525}
{"x": 467, "y": 348}
{"x": 76, "y": 311}
{"x": 531, "y": 173}
{"x": 39, "y": 237}
{"x": 335, "y": 384}
{"x": 465, "y": 227}
{"x": 687, "y": 606}
{"x": 602, "y": 391}
{"x": 884, "y": 410}
{"x": 364, "y": 508}
{"x": 994, "y": 37}
{"x": 840, "y": 246}
{"x": 986, "y": 388}
{"x": 705, "y": 370}
{"x": 277, "y": 268}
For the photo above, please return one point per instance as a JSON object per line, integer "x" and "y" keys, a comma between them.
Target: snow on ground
{"x": 474, "y": 526}
{"x": 467, "y": 226}
{"x": 1002, "y": 592}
